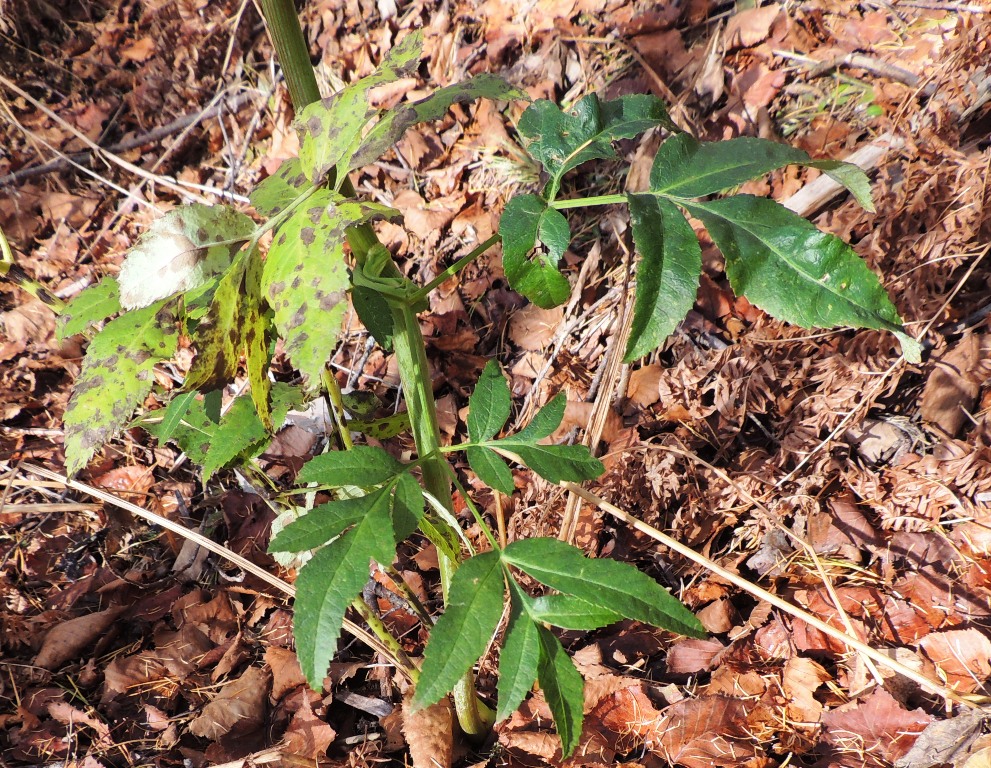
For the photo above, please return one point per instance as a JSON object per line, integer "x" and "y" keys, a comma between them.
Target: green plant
{"x": 199, "y": 272}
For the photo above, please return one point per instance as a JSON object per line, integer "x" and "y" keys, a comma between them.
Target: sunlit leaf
{"x": 92, "y": 305}
{"x": 563, "y": 688}
{"x": 276, "y": 193}
{"x": 489, "y": 404}
{"x": 570, "y": 612}
{"x": 526, "y": 223}
{"x": 328, "y": 521}
{"x": 519, "y": 656}
{"x": 462, "y": 633}
{"x": 364, "y": 466}
{"x": 491, "y": 469}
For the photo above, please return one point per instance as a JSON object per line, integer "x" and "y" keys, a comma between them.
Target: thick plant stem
{"x": 287, "y": 36}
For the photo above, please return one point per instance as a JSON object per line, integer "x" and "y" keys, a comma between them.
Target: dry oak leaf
{"x": 308, "y": 735}
{"x": 873, "y": 731}
{"x": 962, "y": 656}
{"x": 751, "y": 26}
{"x": 67, "y": 640}
{"x": 703, "y": 732}
{"x": 240, "y": 704}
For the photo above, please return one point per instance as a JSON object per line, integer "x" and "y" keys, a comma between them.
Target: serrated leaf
{"x": 564, "y": 140}
{"x": 239, "y": 429}
{"x": 544, "y": 422}
{"x": 92, "y": 305}
{"x": 218, "y": 334}
{"x": 305, "y": 278}
{"x": 787, "y": 267}
{"x": 332, "y": 127}
{"x": 328, "y": 583}
{"x": 463, "y": 632}
{"x": 525, "y": 223}
{"x": 194, "y": 431}
{"x": 327, "y": 521}
{"x": 607, "y": 583}
{"x": 557, "y": 463}
{"x": 667, "y": 275}
{"x": 116, "y": 376}
{"x": 255, "y": 332}
{"x": 407, "y": 506}
{"x": 563, "y": 689}
{"x": 686, "y": 167}
{"x": 280, "y": 190}
{"x": 491, "y": 469}
{"x": 519, "y": 656}
{"x": 181, "y": 251}
{"x": 364, "y": 466}
{"x": 489, "y": 405}
{"x": 395, "y": 123}
{"x": 570, "y": 612}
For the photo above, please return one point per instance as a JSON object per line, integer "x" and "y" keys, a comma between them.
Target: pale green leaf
{"x": 667, "y": 275}
{"x": 527, "y": 223}
{"x": 463, "y": 632}
{"x": 395, "y": 123}
{"x": 239, "y": 430}
{"x": 280, "y": 190}
{"x": 92, "y": 305}
{"x": 519, "y": 656}
{"x": 787, "y": 267}
{"x": 384, "y": 428}
{"x": 489, "y": 405}
{"x": 116, "y": 376}
{"x": 607, "y": 583}
{"x": 563, "y": 689}
{"x": 364, "y": 466}
{"x": 328, "y": 583}
{"x": 570, "y": 612}
{"x": 181, "y": 251}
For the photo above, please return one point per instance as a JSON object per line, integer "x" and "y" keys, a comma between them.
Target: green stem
{"x": 452, "y": 270}
{"x": 584, "y": 202}
{"x": 287, "y": 37}
{"x": 382, "y": 633}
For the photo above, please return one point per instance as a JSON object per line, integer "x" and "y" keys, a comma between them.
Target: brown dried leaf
{"x": 751, "y": 26}
{"x": 962, "y": 656}
{"x": 240, "y": 704}
{"x": 67, "y": 640}
{"x": 308, "y": 735}
{"x": 952, "y": 387}
{"x": 873, "y": 731}
{"x": 692, "y": 655}
{"x": 700, "y": 733}
{"x": 800, "y": 679}
{"x": 429, "y": 734}
{"x": 286, "y": 672}
{"x": 532, "y": 328}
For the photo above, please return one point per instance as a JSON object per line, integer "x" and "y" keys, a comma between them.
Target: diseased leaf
{"x": 525, "y": 223}
{"x": 395, "y": 122}
{"x": 116, "y": 376}
{"x": 491, "y": 469}
{"x": 563, "y": 688}
{"x": 607, "y": 583}
{"x": 686, "y": 167}
{"x": 181, "y": 251}
{"x": 276, "y": 193}
{"x": 489, "y": 405}
{"x": 667, "y": 275}
{"x": 305, "y": 277}
{"x": 364, "y": 466}
{"x": 327, "y": 521}
{"x": 173, "y": 415}
{"x": 564, "y": 140}
{"x": 328, "y": 583}
{"x": 218, "y": 334}
{"x": 256, "y": 328}
{"x": 382, "y": 429}
{"x": 788, "y": 268}
{"x": 96, "y": 303}
{"x": 462, "y": 633}
{"x": 331, "y": 128}
{"x": 570, "y": 612}
{"x": 519, "y": 656}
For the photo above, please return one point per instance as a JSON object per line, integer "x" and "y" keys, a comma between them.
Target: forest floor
{"x": 820, "y": 465}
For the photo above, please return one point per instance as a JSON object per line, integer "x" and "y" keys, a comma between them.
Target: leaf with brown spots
{"x": 305, "y": 278}
{"x": 117, "y": 374}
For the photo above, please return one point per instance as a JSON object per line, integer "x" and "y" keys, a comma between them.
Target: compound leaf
{"x": 96, "y": 303}
{"x": 364, "y": 466}
{"x": 328, "y": 583}
{"x": 182, "y": 251}
{"x": 546, "y": 420}
{"x": 563, "y": 689}
{"x": 667, "y": 275}
{"x": 395, "y": 123}
{"x": 519, "y": 656}
{"x": 489, "y": 405}
{"x": 792, "y": 270}
{"x": 463, "y": 632}
{"x": 564, "y": 140}
{"x": 526, "y": 222}
{"x": 491, "y": 469}
{"x": 607, "y": 583}
{"x": 328, "y": 521}
{"x": 116, "y": 376}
